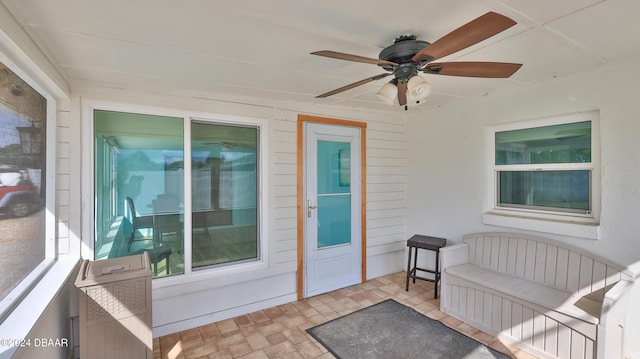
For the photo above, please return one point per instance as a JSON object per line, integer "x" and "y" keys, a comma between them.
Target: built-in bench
{"x": 544, "y": 296}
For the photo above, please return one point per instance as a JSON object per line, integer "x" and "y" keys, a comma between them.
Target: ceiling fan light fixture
{"x": 387, "y": 93}
{"x": 418, "y": 88}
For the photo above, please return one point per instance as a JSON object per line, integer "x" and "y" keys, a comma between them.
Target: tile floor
{"x": 279, "y": 332}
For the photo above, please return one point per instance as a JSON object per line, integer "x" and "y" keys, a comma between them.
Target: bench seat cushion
{"x": 547, "y": 297}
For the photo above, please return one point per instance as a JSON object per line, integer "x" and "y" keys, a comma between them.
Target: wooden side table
{"x": 429, "y": 243}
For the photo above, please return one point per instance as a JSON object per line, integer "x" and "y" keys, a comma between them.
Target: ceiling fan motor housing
{"x": 401, "y": 52}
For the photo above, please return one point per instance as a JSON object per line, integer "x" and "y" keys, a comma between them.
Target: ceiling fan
{"x": 407, "y": 56}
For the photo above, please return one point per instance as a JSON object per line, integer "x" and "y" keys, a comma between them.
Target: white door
{"x": 332, "y": 225}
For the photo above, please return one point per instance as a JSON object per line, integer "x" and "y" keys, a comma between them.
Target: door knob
{"x": 310, "y": 208}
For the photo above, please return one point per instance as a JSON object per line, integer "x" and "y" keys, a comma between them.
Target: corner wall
{"x": 445, "y": 178}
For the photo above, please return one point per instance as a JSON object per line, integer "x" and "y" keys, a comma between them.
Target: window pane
{"x": 23, "y": 114}
{"x": 334, "y": 220}
{"x": 139, "y": 181}
{"x": 224, "y": 182}
{"x": 334, "y": 193}
{"x": 334, "y": 167}
{"x": 566, "y": 143}
{"x": 558, "y": 190}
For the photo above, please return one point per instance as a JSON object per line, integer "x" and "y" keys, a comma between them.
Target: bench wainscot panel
{"x": 546, "y": 297}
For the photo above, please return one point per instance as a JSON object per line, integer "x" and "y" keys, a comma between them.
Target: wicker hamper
{"x": 115, "y": 308}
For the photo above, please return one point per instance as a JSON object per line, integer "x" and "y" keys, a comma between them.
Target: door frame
{"x": 302, "y": 119}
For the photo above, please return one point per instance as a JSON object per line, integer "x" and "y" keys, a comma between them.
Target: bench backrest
{"x": 548, "y": 262}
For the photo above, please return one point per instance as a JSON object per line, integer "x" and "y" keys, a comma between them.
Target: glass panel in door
{"x": 334, "y": 193}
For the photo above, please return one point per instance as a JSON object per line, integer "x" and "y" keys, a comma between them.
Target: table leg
{"x": 415, "y": 265}
{"x": 437, "y": 276}
{"x": 408, "y": 270}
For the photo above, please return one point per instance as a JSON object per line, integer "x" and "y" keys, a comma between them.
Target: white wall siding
{"x": 216, "y": 296}
{"x": 284, "y": 193}
{"x": 63, "y": 182}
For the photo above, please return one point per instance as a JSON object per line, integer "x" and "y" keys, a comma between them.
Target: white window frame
{"x": 584, "y": 225}
{"x": 15, "y": 298}
{"x": 190, "y": 275}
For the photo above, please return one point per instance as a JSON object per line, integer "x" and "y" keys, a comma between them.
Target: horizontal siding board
{"x": 285, "y": 213}
{"x": 285, "y": 158}
{"x": 384, "y": 231}
{"x": 385, "y": 222}
{"x": 286, "y": 223}
{"x": 385, "y": 205}
{"x": 284, "y": 246}
{"x": 282, "y": 235}
{"x": 285, "y": 180}
{"x": 384, "y": 213}
{"x": 385, "y": 144}
{"x": 385, "y": 196}
{"x": 285, "y": 190}
{"x": 285, "y": 201}
{"x": 288, "y": 169}
{"x": 391, "y": 163}
{"x": 385, "y": 127}
{"x": 286, "y": 257}
{"x": 386, "y": 179}
{"x": 383, "y": 187}
{"x": 386, "y": 153}
{"x": 285, "y": 147}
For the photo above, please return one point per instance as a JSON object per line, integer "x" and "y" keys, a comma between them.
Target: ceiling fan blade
{"x": 355, "y": 58}
{"x": 402, "y": 93}
{"x": 472, "y": 69}
{"x": 469, "y": 34}
{"x": 355, "y": 84}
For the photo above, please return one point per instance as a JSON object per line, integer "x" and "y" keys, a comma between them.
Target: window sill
{"x": 567, "y": 226}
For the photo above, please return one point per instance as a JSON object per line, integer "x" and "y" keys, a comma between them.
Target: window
{"x": 141, "y": 174}
{"x": 546, "y": 168}
{"x": 23, "y": 169}
{"x": 224, "y": 183}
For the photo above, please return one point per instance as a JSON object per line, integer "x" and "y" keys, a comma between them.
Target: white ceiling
{"x": 261, "y": 48}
